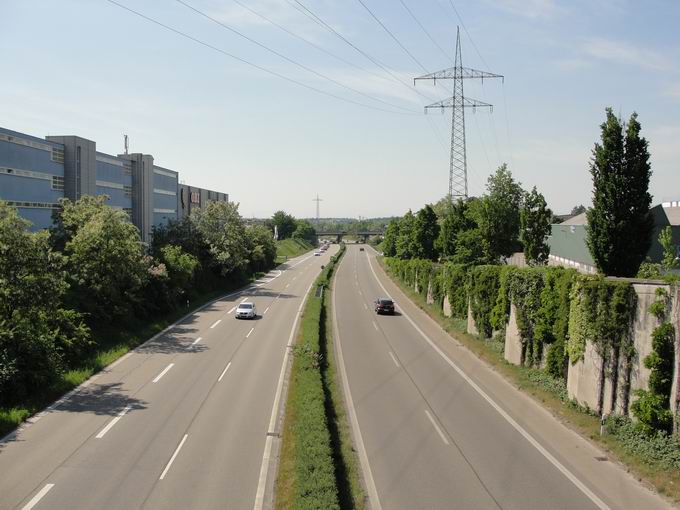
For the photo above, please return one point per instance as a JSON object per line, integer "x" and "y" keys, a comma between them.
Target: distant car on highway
{"x": 384, "y": 305}
{"x": 317, "y": 253}
{"x": 246, "y": 310}
{"x": 361, "y": 249}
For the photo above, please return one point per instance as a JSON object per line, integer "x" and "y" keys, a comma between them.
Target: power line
{"x": 287, "y": 59}
{"x": 468, "y": 33}
{"x": 393, "y": 36}
{"x": 310, "y": 43}
{"x": 244, "y": 61}
{"x": 425, "y": 30}
{"x": 325, "y": 25}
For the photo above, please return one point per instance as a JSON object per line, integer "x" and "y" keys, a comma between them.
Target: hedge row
{"x": 314, "y": 483}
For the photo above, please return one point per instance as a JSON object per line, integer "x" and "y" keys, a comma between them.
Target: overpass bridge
{"x": 339, "y": 234}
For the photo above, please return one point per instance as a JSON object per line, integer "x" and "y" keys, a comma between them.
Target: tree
{"x": 106, "y": 263}
{"x": 455, "y": 220}
{"x": 498, "y": 215}
{"x": 180, "y": 266}
{"x": 619, "y": 223}
{"x": 389, "y": 245}
{"x": 578, "y": 209}
{"x": 535, "y": 228}
{"x": 425, "y": 234}
{"x": 222, "y": 227}
{"x": 38, "y": 337}
{"x": 284, "y": 223}
{"x": 304, "y": 230}
{"x": 670, "y": 252}
{"x": 471, "y": 247}
{"x": 405, "y": 240}
{"x": 262, "y": 247}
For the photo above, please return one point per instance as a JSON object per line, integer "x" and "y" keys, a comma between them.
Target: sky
{"x": 345, "y": 121}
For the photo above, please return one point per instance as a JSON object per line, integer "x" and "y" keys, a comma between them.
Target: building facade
{"x": 568, "y": 245}
{"x": 35, "y": 173}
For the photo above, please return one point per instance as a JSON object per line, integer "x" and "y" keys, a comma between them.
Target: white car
{"x": 246, "y": 310}
{"x": 317, "y": 253}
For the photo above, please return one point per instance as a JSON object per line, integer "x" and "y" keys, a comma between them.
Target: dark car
{"x": 361, "y": 249}
{"x": 384, "y": 306}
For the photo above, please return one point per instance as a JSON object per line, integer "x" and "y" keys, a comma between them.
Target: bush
{"x": 655, "y": 448}
{"x": 484, "y": 284}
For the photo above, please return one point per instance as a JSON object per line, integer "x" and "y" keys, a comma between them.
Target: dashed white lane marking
{"x": 224, "y": 372}
{"x": 265, "y": 311}
{"x": 294, "y": 278}
{"x": 249, "y": 332}
{"x": 287, "y": 285}
{"x": 231, "y": 309}
{"x": 113, "y": 422}
{"x": 394, "y": 359}
{"x": 434, "y": 424}
{"x": 172, "y": 459}
{"x": 365, "y": 306}
{"x": 216, "y": 323}
{"x": 165, "y": 370}
{"x": 375, "y": 326}
{"x": 576, "y": 481}
{"x": 195, "y": 341}
{"x": 38, "y": 497}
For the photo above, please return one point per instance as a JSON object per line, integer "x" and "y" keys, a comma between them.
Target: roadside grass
{"x": 113, "y": 341}
{"x": 289, "y": 248}
{"x": 318, "y": 466}
{"x": 552, "y": 394}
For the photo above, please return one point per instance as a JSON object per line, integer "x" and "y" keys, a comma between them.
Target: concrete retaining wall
{"x": 513, "y": 340}
{"x": 471, "y": 324}
{"x": 446, "y": 306}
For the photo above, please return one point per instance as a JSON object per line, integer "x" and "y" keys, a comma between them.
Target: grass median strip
{"x": 317, "y": 467}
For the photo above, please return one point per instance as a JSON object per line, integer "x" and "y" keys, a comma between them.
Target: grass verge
{"x": 622, "y": 445}
{"x": 112, "y": 343}
{"x": 317, "y": 466}
{"x": 289, "y": 248}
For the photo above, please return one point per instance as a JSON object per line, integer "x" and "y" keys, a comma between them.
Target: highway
{"x": 185, "y": 421}
{"x": 435, "y": 428}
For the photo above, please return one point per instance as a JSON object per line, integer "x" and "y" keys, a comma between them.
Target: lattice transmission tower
{"x": 317, "y": 200}
{"x": 458, "y": 181}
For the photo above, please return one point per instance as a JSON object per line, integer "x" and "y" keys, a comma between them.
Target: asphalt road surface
{"x": 184, "y": 421}
{"x": 435, "y": 428}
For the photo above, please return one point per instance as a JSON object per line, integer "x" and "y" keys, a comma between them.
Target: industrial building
{"x": 568, "y": 245}
{"x": 35, "y": 173}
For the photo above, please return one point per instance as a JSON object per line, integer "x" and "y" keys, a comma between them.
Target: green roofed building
{"x": 568, "y": 246}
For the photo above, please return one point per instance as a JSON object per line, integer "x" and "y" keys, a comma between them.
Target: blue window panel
{"x": 164, "y": 201}
{"x": 117, "y": 197}
{"x": 39, "y": 218}
{"x": 28, "y": 158}
{"x": 163, "y": 218}
{"x": 113, "y": 173}
{"x": 27, "y": 189}
{"x": 165, "y": 182}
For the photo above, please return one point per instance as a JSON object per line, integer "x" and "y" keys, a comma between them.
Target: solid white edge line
{"x": 165, "y": 370}
{"x": 249, "y": 332}
{"x": 119, "y": 360}
{"x": 216, "y": 323}
{"x": 394, "y": 359}
{"x": 113, "y": 422}
{"x": 563, "y": 469}
{"x": 439, "y": 431}
{"x": 264, "y": 468}
{"x": 38, "y": 497}
{"x": 172, "y": 459}
{"x": 371, "y": 488}
{"x": 224, "y": 372}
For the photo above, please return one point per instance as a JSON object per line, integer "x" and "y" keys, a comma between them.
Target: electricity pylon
{"x": 458, "y": 182}
{"x": 317, "y": 200}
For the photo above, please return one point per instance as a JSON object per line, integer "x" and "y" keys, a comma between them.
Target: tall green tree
{"x": 105, "y": 258}
{"x": 425, "y": 234}
{"x": 304, "y": 230}
{"x": 222, "y": 227}
{"x": 619, "y": 223}
{"x": 285, "y": 224}
{"x": 670, "y": 250}
{"x": 497, "y": 215}
{"x": 262, "y": 247}
{"x": 535, "y": 228}
{"x": 455, "y": 220}
{"x": 406, "y": 240}
{"x": 389, "y": 245}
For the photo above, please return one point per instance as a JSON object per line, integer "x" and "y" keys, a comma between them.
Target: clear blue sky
{"x": 88, "y": 67}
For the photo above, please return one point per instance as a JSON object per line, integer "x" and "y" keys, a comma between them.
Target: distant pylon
{"x": 458, "y": 182}
{"x": 317, "y": 200}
